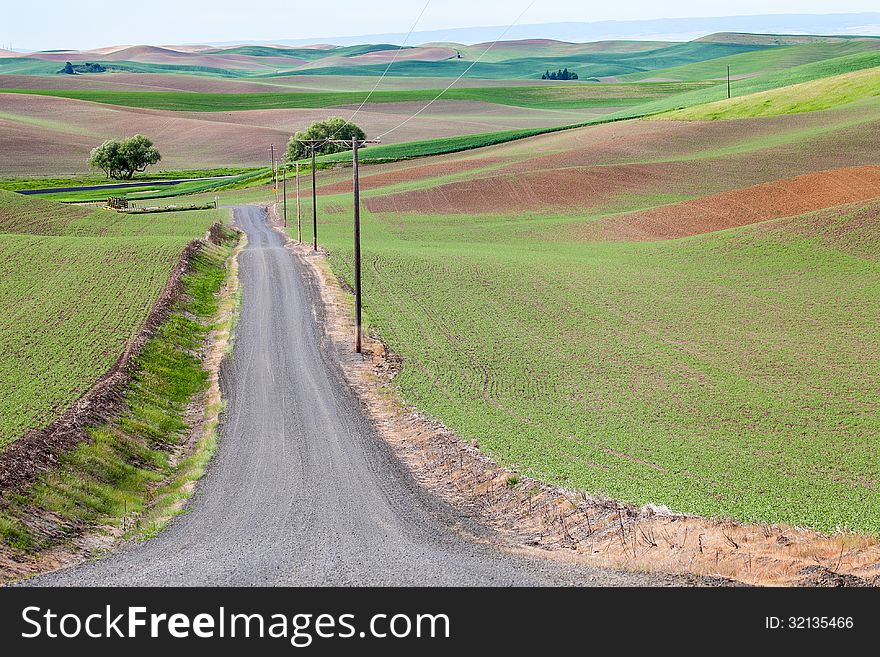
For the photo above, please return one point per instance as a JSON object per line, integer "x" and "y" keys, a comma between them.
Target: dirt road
{"x": 302, "y": 491}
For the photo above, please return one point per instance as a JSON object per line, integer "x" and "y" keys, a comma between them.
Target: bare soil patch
{"x": 573, "y": 188}
{"x": 410, "y": 173}
{"x": 784, "y": 198}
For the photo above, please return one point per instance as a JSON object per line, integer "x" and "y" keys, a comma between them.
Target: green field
{"x": 730, "y": 374}
{"x": 719, "y": 375}
{"x": 774, "y": 80}
{"x": 34, "y": 66}
{"x": 75, "y": 286}
{"x": 759, "y": 62}
{"x": 541, "y": 97}
{"x": 805, "y": 97}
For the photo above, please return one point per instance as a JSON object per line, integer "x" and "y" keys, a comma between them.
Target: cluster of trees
{"x": 120, "y": 159}
{"x": 332, "y": 128}
{"x": 88, "y": 67}
{"x": 561, "y": 74}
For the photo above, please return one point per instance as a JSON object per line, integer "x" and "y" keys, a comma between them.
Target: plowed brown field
{"x": 46, "y": 135}
{"x": 741, "y": 207}
{"x": 603, "y": 167}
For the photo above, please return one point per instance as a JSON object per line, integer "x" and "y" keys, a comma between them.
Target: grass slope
{"x": 53, "y": 346}
{"x": 797, "y": 75}
{"x": 805, "y": 97}
{"x": 760, "y": 62}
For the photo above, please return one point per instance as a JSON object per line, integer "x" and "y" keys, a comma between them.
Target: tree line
{"x": 561, "y": 74}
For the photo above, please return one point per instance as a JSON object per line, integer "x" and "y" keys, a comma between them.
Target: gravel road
{"x": 302, "y": 490}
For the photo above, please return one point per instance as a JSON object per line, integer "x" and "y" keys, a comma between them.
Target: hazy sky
{"x": 61, "y": 24}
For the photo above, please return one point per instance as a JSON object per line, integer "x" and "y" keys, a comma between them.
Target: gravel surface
{"x": 302, "y": 491}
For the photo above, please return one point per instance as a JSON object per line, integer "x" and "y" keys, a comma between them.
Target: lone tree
{"x": 120, "y": 159}
{"x": 332, "y": 128}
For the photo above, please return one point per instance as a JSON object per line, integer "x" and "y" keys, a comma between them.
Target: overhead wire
{"x": 384, "y": 73}
{"x": 463, "y": 73}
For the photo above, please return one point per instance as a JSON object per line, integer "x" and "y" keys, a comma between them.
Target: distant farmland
{"x": 75, "y": 286}
{"x": 537, "y": 97}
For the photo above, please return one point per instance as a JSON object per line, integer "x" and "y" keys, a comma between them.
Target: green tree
{"x": 332, "y": 128}
{"x": 120, "y": 159}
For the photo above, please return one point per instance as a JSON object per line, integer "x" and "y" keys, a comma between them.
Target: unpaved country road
{"x": 302, "y": 490}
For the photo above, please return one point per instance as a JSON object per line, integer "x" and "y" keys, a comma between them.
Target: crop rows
{"x": 71, "y": 297}
{"x": 716, "y": 375}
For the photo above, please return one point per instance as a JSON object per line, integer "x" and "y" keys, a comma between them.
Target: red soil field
{"x": 409, "y": 174}
{"x": 741, "y": 207}
{"x": 137, "y": 82}
{"x": 602, "y": 167}
{"x": 559, "y": 190}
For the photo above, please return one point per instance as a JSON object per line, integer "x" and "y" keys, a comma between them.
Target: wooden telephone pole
{"x": 274, "y": 168}
{"x": 355, "y": 145}
{"x": 284, "y": 192}
{"x": 313, "y": 144}
{"x": 299, "y": 228}
{"x": 728, "y": 80}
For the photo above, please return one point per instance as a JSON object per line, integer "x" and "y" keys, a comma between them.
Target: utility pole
{"x": 728, "y": 81}
{"x": 284, "y": 193}
{"x": 272, "y": 167}
{"x": 355, "y": 144}
{"x": 299, "y": 228}
{"x": 313, "y": 144}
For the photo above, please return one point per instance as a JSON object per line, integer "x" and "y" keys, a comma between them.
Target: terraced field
{"x": 75, "y": 286}
{"x": 732, "y": 372}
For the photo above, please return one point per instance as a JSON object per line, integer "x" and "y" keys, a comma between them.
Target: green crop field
{"x": 75, "y": 286}
{"x": 759, "y": 62}
{"x": 541, "y": 97}
{"x": 774, "y": 80}
{"x": 730, "y": 374}
{"x": 805, "y": 97}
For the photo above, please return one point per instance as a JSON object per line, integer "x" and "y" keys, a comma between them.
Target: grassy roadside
{"x": 132, "y": 474}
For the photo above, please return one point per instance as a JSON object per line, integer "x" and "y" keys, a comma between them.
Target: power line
{"x": 465, "y": 72}
{"x": 384, "y": 74}
{"x": 391, "y": 63}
